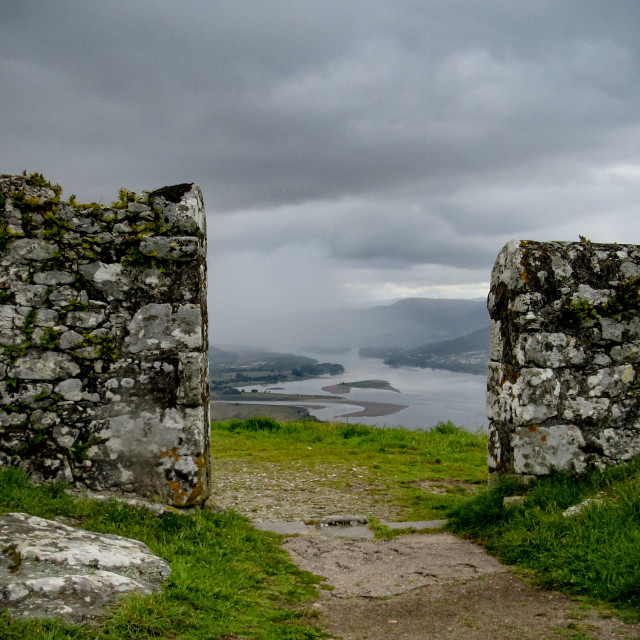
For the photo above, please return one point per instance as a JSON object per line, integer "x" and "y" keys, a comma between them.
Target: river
{"x": 432, "y": 395}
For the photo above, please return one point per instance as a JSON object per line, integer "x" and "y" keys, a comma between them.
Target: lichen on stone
{"x": 565, "y": 354}
{"x": 102, "y": 313}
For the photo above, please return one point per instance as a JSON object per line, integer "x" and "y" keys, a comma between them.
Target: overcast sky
{"x": 349, "y": 151}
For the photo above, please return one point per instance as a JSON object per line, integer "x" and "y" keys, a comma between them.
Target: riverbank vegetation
{"x": 229, "y": 370}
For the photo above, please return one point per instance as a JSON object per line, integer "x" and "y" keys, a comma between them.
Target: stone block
{"x": 103, "y": 334}
{"x": 565, "y": 348}
{"x": 48, "y": 569}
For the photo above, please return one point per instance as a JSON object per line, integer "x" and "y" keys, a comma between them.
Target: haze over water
{"x": 433, "y": 395}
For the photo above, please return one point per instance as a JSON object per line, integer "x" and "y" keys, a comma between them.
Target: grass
{"x": 227, "y": 578}
{"x": 595, "y": 554}
{"x": 391, "y": 461}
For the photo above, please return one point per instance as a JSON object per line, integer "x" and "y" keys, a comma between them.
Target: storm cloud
{"x": 349, "y": 152}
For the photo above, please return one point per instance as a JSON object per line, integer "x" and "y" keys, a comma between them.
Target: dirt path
{"x": 437, "y": 586}
{"x": 415, "y": 587}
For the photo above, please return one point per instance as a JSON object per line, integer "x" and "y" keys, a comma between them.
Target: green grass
{"x": 227, "y": 578}
{"x": 595, "y": 554}
{"x": 392, "y": 461}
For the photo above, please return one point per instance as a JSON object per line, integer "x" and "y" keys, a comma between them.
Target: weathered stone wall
{"x": 564, "y": 378}
{"x": 103, "y": 340}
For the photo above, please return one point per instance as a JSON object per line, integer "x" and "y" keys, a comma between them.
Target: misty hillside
{"x": 416, "y": 321}
{"x": 476, "y": 341}
{"x": 408, "y": 323}
{"x": 469, "y": 353}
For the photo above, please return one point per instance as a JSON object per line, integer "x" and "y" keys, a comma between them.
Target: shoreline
{"x": 368, "y": 409}
{"x": 344, "y": 388}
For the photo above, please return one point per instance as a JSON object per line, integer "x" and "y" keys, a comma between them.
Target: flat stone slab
{"x": 343, "y": 526}
{"x": 283, "y": 528}
{"x": 48, "y": 569}
{"x": 344, "y": 521}
{"x": 417, "y": 524}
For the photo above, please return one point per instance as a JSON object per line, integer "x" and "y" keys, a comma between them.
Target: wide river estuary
{"x": 431, "y": 395}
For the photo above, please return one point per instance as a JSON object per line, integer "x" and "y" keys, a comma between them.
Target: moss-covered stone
{"x": 565, "y": 356}
{"x": 79, "y": 401}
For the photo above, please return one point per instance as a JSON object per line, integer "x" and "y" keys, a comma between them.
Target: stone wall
{"x": 103, "y": 340}
{"x": 564, "y": 378}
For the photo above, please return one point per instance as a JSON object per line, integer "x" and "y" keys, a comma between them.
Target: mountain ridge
{"x": 407, "y": 323}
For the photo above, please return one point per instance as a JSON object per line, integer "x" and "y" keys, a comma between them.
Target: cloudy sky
{"x": 349, "y": 151}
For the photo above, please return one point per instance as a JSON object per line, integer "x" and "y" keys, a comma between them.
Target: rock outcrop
{"x": 564, "y": 377}
{"x": 48, "y": 569}
{"x": 103, "y": 340}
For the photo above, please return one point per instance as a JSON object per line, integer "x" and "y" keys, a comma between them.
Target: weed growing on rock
{"x": 625, "y": 298}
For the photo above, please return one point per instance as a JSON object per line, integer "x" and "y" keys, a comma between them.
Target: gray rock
{"x": 63, "y": 296}
{"x": 46, "y": 318}
{"x": 577, "y": 509}
{"x": 48, "y": 365}
{"x": 187, "y": 215}
{"x": 32, "y": 249}
{"x": 511, "y": 502}
{"x": 149, "y": 328}
{"x": 70, "y": 339}
{"x": 54, "y": 277}
{"x": 343, "y": 521}
{"x": 126, "y": 365}
{"x": 12, "y": 419}
{"x": 30, "y": 295}
{"x": 85, "y": 319}
{"x": 70, "y": 389}
{"x": 28, "y": 393}
{"x": 48, "y": 569}
{"x": 564, "y": 370}
{"x": 156, "y": 327}
{"x": 111, "y": 279}
{"x": 138, "y": 207}
{"x": 190, "y": 371}
{"x": 170, "y": 248}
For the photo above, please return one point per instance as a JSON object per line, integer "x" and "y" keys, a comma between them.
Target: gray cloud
{"x": 346, "y": 151}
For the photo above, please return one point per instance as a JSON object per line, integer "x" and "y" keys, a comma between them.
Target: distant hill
{"x": 408, "y": 323}
{"x": 475, "y": 341}
{"x": 468, "y": 353}
{"x": 222, "y": 357}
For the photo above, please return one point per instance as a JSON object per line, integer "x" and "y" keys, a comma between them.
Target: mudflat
{"x": 225, "y": 408}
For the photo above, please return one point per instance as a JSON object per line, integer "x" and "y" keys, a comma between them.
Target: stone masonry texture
{"x": 103, "y": 340}
{"x": 563, "y": 386}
